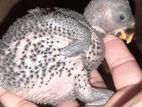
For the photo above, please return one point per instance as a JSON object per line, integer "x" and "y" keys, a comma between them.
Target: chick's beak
{"x": 125, "y": 35}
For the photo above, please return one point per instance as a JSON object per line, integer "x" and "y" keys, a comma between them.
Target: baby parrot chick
{"x": 47, "y": 56}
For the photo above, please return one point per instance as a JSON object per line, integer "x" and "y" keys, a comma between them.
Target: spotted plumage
{"x": 46, "y": 57}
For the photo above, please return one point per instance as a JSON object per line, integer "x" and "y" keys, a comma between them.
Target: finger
{"x": 124, "y": 68}
{"x": 96, "y": 79}
{"x": 69, "y": 104}
{"x": 125, "y": 95}
{"x": 135, "y": 102}
{"x": 116, "y": 100}
{"x": 11, "y": 100}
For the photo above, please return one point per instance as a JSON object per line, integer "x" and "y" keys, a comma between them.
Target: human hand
{"x": 8, "y": 99}
{"x": 127, "y": 75}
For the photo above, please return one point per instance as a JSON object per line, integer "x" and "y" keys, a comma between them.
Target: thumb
{"x": 9, "y": 99}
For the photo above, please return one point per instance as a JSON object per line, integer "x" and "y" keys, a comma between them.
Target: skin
{"x": 126, "y": 82}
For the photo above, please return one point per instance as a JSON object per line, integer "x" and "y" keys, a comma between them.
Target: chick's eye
{"x": 122, "y": 17}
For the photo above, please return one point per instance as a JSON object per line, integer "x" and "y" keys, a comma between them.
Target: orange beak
{"x": 126, "y": 36}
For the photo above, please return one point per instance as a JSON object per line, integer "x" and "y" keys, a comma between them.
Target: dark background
{"x": 20, "y": 9}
